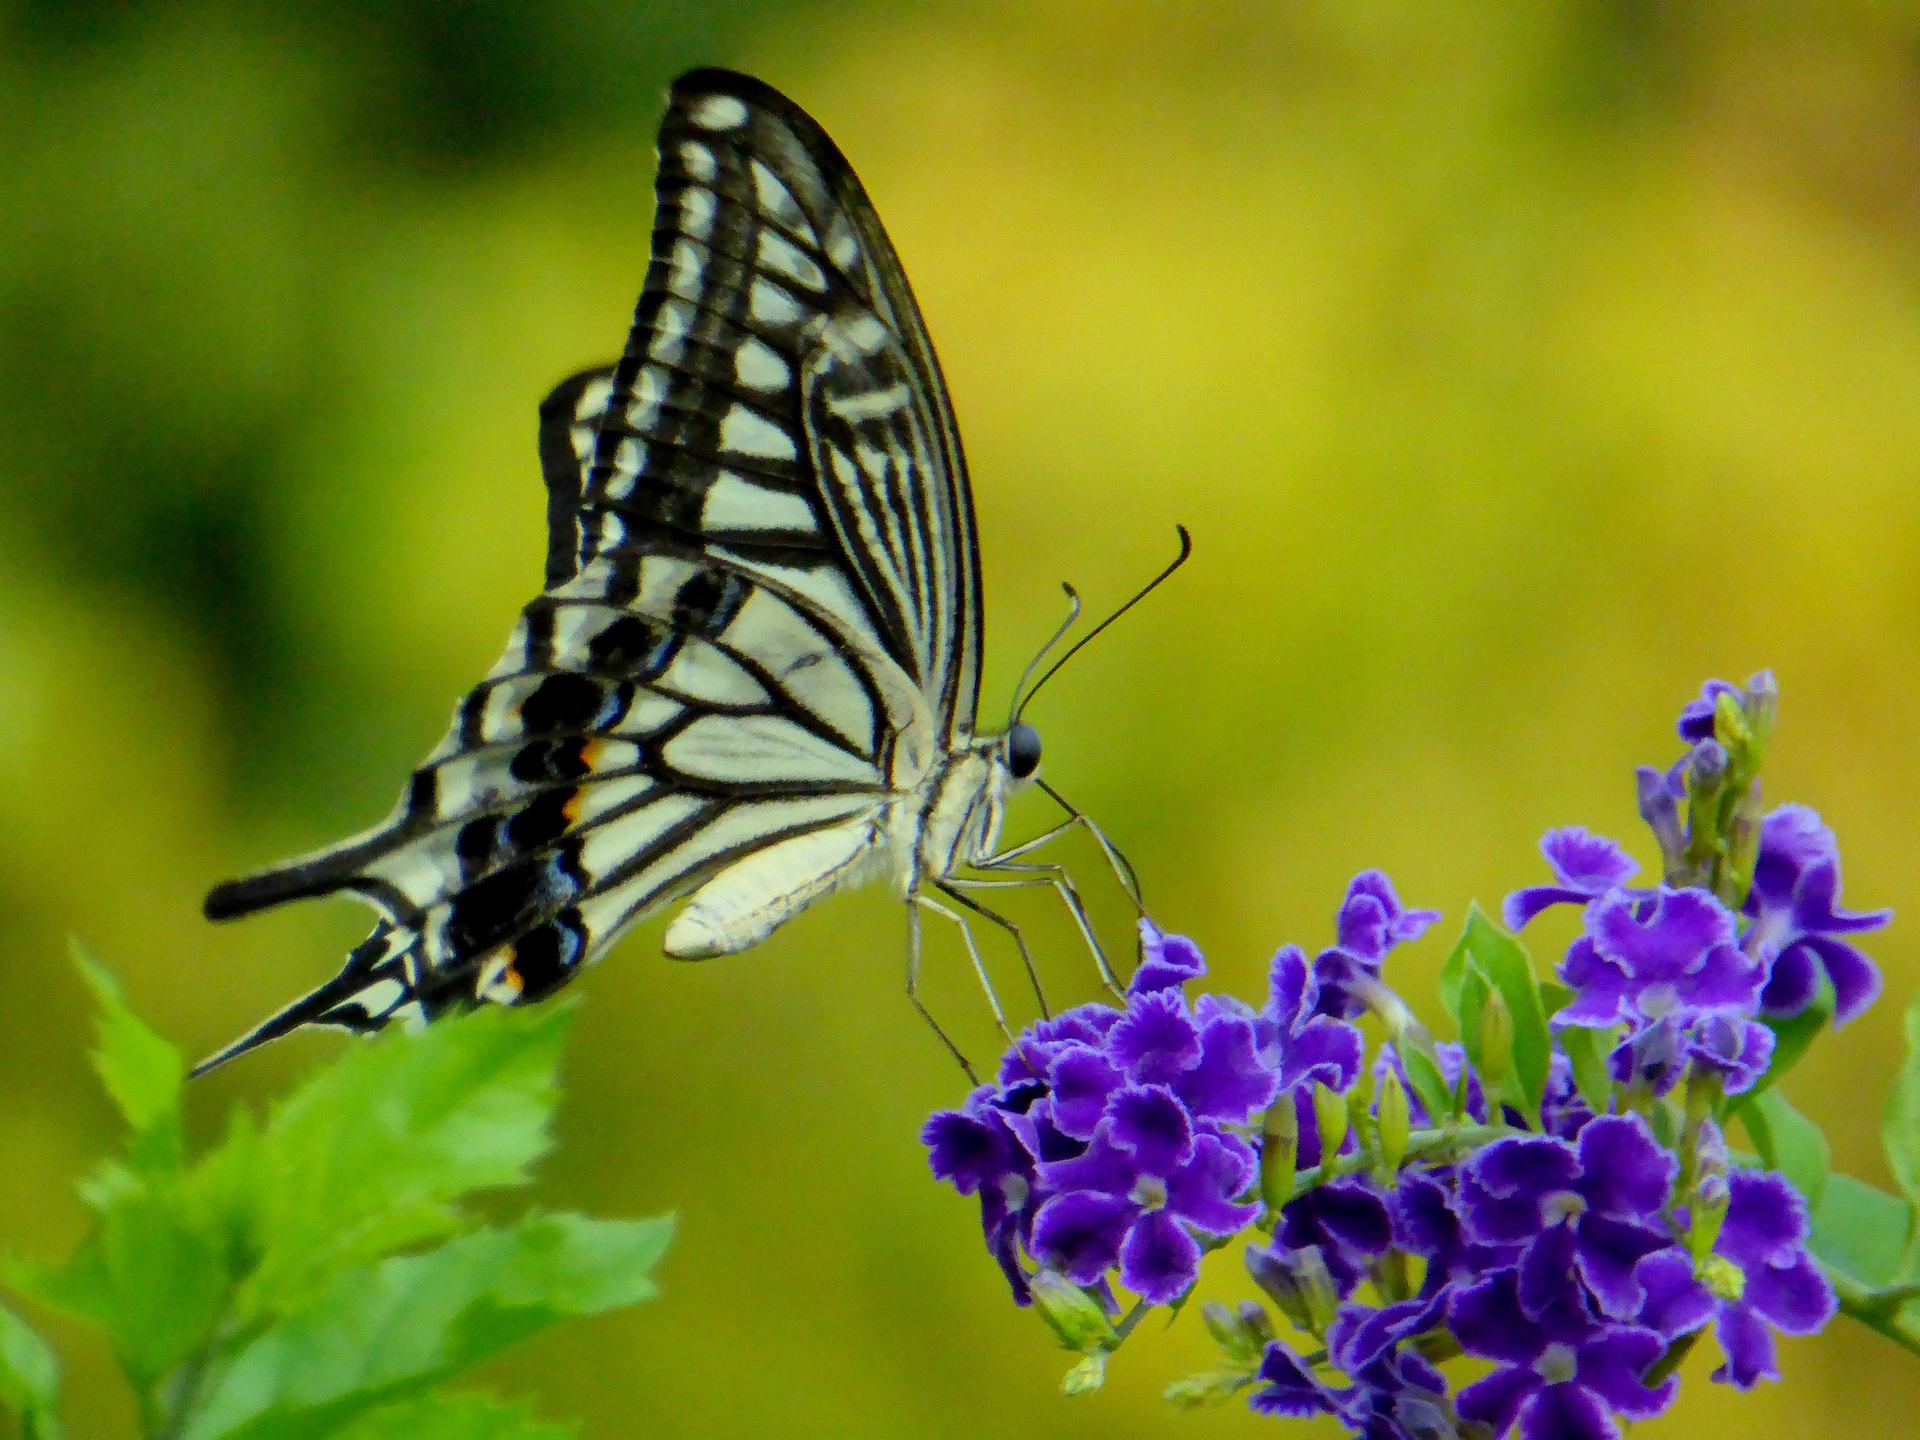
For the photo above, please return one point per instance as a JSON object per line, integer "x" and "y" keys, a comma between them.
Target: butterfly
{"x": 752, "y": 678}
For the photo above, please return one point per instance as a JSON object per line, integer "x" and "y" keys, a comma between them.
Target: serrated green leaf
{"x": 153, "y": 1275}
{"x": 142, "y": 1073}
{"x": 29, "y": 1378}
{"x": 376, "y": 1334}
{"x": 1508, "y": 966}
{"x": 1861, "y": 1231}
{"x": 1900, "y": 1130}
{"x": 1789, "y": 1143}
{"x": 451, "y": 1417}
{"x": 370, "y": 1154}
{"x": 1587, "y": 1049}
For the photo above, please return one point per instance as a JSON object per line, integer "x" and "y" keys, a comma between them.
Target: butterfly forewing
{"x": 761, "y": 575}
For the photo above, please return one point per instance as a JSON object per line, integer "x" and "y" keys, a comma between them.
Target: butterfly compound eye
{"x": 1023, "y": 751}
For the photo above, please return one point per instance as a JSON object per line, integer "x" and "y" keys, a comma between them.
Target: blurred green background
{"x": 1516, "y": 367}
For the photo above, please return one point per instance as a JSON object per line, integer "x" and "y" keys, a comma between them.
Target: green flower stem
{"x": 1450, "y": 1141}
{"x": 1886, "y": 1311}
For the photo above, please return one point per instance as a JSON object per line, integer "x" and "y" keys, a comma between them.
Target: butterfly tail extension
{"x": 373, "y": 989}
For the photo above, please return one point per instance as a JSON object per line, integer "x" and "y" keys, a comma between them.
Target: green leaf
{"x": 379, "y": 1333}
{"x": 29, "y": 1378}
{"x": 1791, "y": 1037}
{"x": 1554, "y": 997}
{"x": 1790, "y": 1143}
{"x": 368, "y": 1156}
{"x": 1424, "y": 1075}
{"x": 1471, "y": 996}
{"x": 142, "y": 1073}
{"x": 1861, "y": 1232}
{"x": 1510, "y": 969}
{"x": 1453, "y": 978}
{"x": 153, "y": 1274}
{"x": 1588, "y": 1049}
{"x": 1900, "y": 1130}
{"x": 451, "y": 1417}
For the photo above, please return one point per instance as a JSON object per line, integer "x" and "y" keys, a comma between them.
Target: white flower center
{"x": 1561, "y": 1205}
{"x": 1014, "y": 1187}
{"x": 1149, "y": 1193}
{"x": 1657, "y": 1000}
{"x": 1557, "y": 1364}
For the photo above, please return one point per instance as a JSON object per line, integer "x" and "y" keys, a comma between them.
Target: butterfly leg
{"x": 951, "y": 889}
{"x": 913, "y": 990}
{"x": 979, "y": 966}
{"x": 1118, "y": 863}
{"x": 1056, "y": 878}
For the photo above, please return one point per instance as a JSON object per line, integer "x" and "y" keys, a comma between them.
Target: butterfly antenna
{"x": 1073, "y": 614}
{"x": 1186, "y": 549}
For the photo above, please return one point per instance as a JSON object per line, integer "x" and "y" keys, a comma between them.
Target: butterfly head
{"x": 1021, "y": 754}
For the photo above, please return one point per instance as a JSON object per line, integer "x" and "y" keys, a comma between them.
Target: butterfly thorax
{"x": 951, "y": 818}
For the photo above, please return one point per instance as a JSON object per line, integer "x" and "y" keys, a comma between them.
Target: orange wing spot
{"x": 499, "y": 982}
{"x": 591, "y": 753}
{"x": 572, "y": 808}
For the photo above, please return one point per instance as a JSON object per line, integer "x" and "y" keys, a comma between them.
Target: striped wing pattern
{"x": 761, "y": 576}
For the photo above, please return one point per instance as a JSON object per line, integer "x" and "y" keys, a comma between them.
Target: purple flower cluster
{"x": 1576, "y": 1222}
{"x": 1688, "y": 974}
{"x": 1561, "y": 1261}
{"x": 1113, "y": 1139}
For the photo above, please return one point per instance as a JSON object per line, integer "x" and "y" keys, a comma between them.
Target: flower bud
{"x": 1396, "y": 1120}
{"x": 1211, "y": 1387}
{"x": 1661, "y": 811}
{"x": 1242, "y": 1341}
{"x": 1762, "y": 705}
{"x": 1730, "y": 726}
{"x": 1074, "y": 1315}
{"x": 1495, "y": 1061}
{"x": 1330, "y": 1117}
{"x": 1743, "y": 847}
{"x": 1256, "y": 1322}
{"x": 1706, "y": 768}
{"x": 1298, "y": 1282}
{"x": 1087, "y": 1376}
{"x": 1279, "y": 1152}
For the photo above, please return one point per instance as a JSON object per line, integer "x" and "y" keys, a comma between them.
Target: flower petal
{"x": 1748, "y": 1345}
{"x": 1083, "y": 1080}
{"x": 1625, "y": 1173}
{"x": 1202, "y": 1191}
{"x": 1157, "y": 1040}
{"x": 1487, "y": 1321}
{"x": 1794, "y": 1296}
{"x": 1228, "y": 1083}
{"x": 1081, "y": 1234}
{"x": 1856, "y": 979}
{"x": 1150, "y": 1121}
{"x": 1159, "y": 1259}
{"x": 1166, "y": 961}
{"x": 1496, "y": 1400}
{"x": 1676, "y": 1304}
{"x": 1566, "y": 1412}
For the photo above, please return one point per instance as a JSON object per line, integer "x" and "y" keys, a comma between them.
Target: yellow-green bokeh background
{"x": 1516, "y": 366}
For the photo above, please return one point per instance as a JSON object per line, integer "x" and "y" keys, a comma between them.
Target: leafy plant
{"x": 321, "y": 1275}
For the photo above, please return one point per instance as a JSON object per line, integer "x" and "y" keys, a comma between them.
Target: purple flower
{"x": 1696, "y": 718}
{"x": 1371, "y": 921}
{"x": 977, "y": 1150}
{"x": 1657, "y": 1055}
{"x": 1585, "y": 866}
{"x": 1394, "y": 1394}
{"x": 1794, "y": 905}
{"x": 1301, "y": 1045}
{"x": 1768, "y": 1280}
{"x": 1427, "y": 1223}
{"x": 1166, "y": 961}
{"x": 1586, "y": 1212}
{"x": 1034, "y": 1051}
{"x": 1563, "y": 1109}
{"x": 1148, "y": 1180}
{"x": 1642, "y": 959}
{"x": 1564, "y": 1378}
{"x": 1348, "y": 1222}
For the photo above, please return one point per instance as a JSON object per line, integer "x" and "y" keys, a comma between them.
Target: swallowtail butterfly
{"x": 753, "y": 676}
